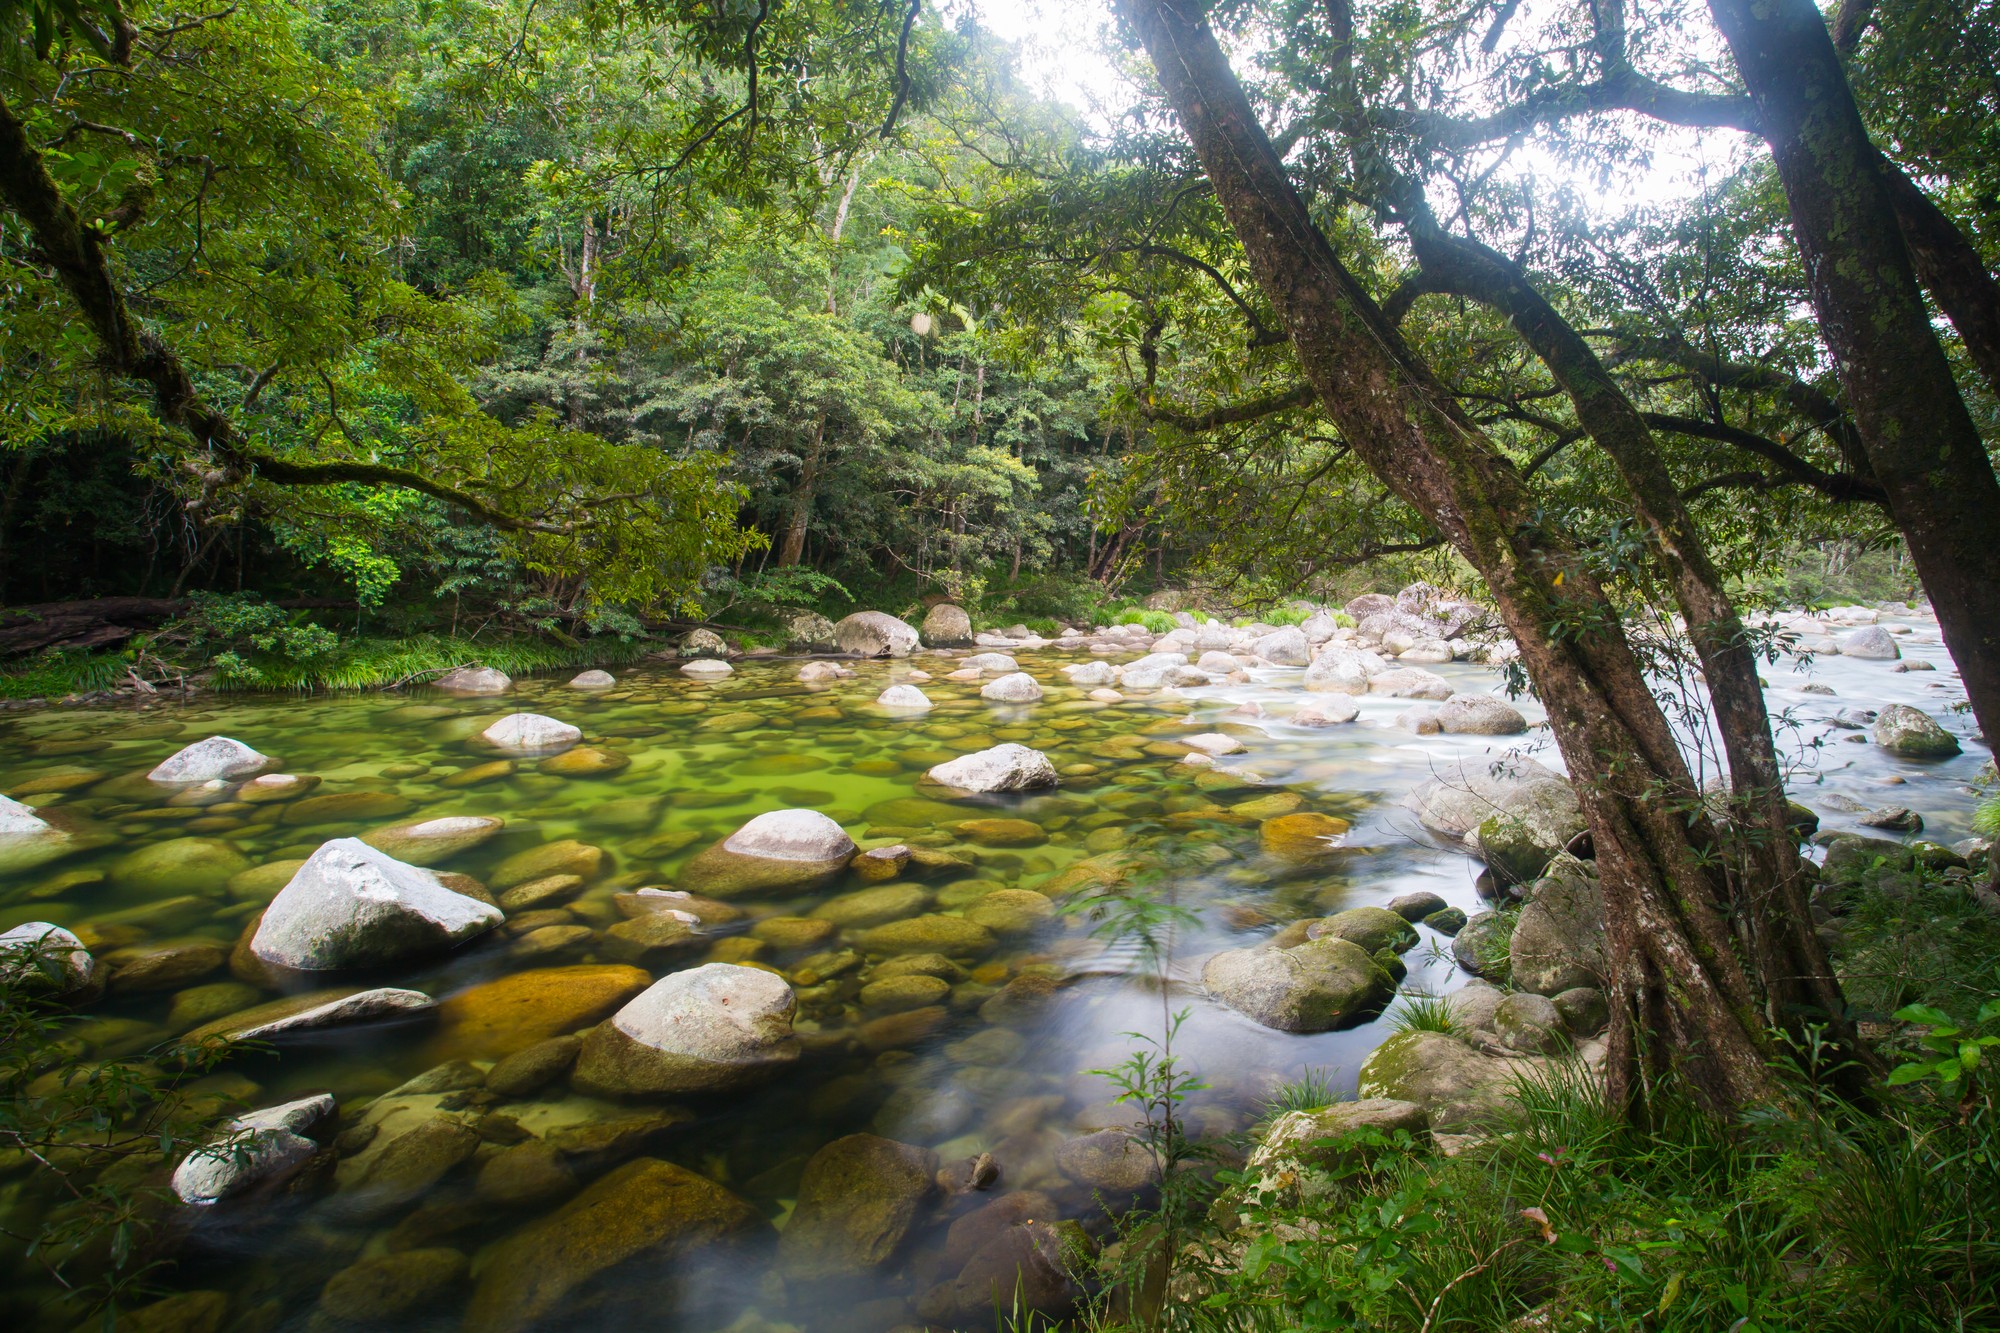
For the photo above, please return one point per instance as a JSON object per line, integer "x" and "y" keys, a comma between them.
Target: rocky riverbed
{"x": 755, "y": 993}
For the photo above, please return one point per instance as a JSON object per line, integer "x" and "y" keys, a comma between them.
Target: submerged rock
{"x": 390, "y": 1286}
{"x": 1008, "y": 767}
{"x": 311, "y": 1012}
{"x": 218, "y": 757}
{"x": 508, "y": 1014}
{"x": 648, "y": 1211}
{"x": 875, "y": 634}
{"x": 180, "y": 865}
{"x": 351, "y": 906}
{"x": 1307, "y": 988}
{"x": 425, "y": 842}
{"x": 857, "y": 1200}
{"x": 709, "y": 1029}
{"x": 255, "y": 1149}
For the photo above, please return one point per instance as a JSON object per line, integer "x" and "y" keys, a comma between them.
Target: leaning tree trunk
{"x": 1676, "y": 977}
{"x": 1920, "y": 437}
{"x": 1772, "y": 913}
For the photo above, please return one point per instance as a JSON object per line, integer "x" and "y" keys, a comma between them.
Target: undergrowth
{"x": 1810, "y": 1213}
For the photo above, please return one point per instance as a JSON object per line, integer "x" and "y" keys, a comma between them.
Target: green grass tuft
{"x": 1420, "y": 1011}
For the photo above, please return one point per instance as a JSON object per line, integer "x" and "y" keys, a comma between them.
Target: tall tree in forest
{"x": 1705, "y": 966}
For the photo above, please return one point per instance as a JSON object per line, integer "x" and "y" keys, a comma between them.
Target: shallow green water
{"x": 1001, "y": 1064}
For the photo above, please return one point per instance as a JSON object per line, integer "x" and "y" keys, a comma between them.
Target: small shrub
{"x": 1287, "y": 615}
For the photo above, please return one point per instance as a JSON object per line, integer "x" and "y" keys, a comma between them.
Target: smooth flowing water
{"x": 999, "y": 1063}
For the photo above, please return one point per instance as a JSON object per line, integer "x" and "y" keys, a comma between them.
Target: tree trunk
{"x": 1675, "y": 976}
{"x": 793, "y": 546}
{"x": 1920, "y": 438}
{"x": 1951, "y": 271}
{"x": 1773, "y": 913}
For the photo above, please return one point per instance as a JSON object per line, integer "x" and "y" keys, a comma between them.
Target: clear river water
{"x": 1000, "y": 1064}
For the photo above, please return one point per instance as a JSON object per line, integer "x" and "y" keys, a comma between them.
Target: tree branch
{"x": 1234, "y": 414}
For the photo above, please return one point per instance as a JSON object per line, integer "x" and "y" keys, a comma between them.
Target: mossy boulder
{"x": 1373, "y": 928}
{"x": 1457, "y": 1086}
{"x": 1558, "y": 941}
{"x": 1913, "y": 734}
{"x": 951, "y": 935}
{"x": 1309, "y": 987}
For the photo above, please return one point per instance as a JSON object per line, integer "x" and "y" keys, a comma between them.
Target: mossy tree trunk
{"x": 1920, "y": 437}
{"x": 1677, "y": 975}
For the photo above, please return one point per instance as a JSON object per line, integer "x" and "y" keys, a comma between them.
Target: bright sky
{"x": 1062, "y": 43}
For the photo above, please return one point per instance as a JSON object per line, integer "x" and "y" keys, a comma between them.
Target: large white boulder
{"x": 707, "y": 668}
{"x": 1872, "y": 643}
{"x": 594, "y": 679}
{"x": 1334, "y": 710}
{"x": 17, "y": 819}
{"x": 1913, "y": 733}
{"x": 531, "y": 733}
{"x": 998, "y": 663}
{"x": 1463, "y": 795}
{"x": 209, "y": 760}
{"x": 1287, "y": 646}
{"x": 1340, "y": 668}
{"x": 1014, "y": 688}
{"x": 263, "y": 1146}
{"x": 1091, "y": 674}
{"x": 875, "y": 634}
{"x": 904, "y": 696}
{"x": 1479, "y": 715}
{"x": 791, "y": 835}
{"x": 1319, "y": 627}
{"x": 1410, "y": 683}
{"x": 475, "y": 680}
{"x": 1008, "y": 767}
{"x": 351, "y": 906}
{"x": 708, "y": 1029}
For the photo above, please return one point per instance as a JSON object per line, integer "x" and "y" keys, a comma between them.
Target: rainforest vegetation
{"x": 343, "y": 341}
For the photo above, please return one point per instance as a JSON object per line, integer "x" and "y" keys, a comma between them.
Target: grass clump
{"x": 1421, "y": 1011}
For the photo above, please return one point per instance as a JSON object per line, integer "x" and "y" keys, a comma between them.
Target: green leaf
{"x": 1902, "y": 1074}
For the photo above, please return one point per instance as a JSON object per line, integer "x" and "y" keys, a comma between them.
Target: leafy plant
{"x": 1956, "y": 1059}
